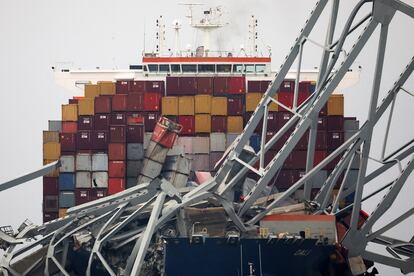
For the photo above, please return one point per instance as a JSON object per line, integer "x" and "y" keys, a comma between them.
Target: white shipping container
{"x": 156, "y": 152}
{"x": 178, "y": 180}
{"x": 99, "y": 162}
{"x": 230, "y": 137}
{"x": 176, "y": 150}
{"x": 147, "y": 139}
{"x": 67, "y": 163}
{"x": 99, "y": 180}
{"x": 151, "y": 168}
{"x": 217, "y": 141}
{"x": 83, "y": 162}
{"x": 83, "y": 180}
{"x": 186, "y": 143}
{"x": 200, "y": 162}
{"x": 179, "y": 164}
{"x": 201, "y": 145}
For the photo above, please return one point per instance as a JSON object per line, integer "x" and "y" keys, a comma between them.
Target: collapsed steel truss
{"x": 114, "y": 220}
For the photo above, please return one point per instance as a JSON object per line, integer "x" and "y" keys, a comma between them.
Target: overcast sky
{"x": 35, "y": 35}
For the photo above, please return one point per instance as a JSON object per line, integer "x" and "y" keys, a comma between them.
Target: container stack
{"x": 102, "y": 136}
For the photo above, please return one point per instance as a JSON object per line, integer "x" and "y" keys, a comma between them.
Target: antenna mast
{"x": 160, "y": 36}
{"x": 253, "y": 36}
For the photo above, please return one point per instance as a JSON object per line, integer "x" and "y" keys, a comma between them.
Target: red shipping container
{"x": 188, "y": 85}
{"x": 116, "y": 152}
{"x": 118, "y": 119}
{"x": 116, "y": 185}
{"x": 205, "y": 85}
{"x": 50, "y": 185}
{"x": 319, "y": 156}
{"x": 173, "y": 86}
{"x": 334, "y": 139}
{"x": 101, "y": 121}
{"x": 283, "y": 118}
{"x": 246, "y": 118}
{"x": 303, "y": 142}
{"x": 152, "y": 101}
{"x": 220, "y": 85}
{"x": 150, "y": 120}
{"x": 48, "y": 216}
{"x": 254, "y": 86}
{"x": 321, "y": 143}
{"x": 264, "y": 85}
{"x": 135, "y": 134}
{"x": 68, "y": 142}
{"x": 69, "y": 127}
{"x": 322, "y": 123}
{"x": 100, "y": 140}
{"x": 97, "y": 193}
{"x": 84, "y": 140}
{"x": 119, "y": 102}
{"x": 305, "y": 86}
{"x": 272, "y": 122}
{"x": 137, "y": 87}
{"x": 123, "y": 86}
{"x": 155, "y": 86}
{"x": 116, "y": 169}
{"x": 287, "y": 86}
{"x": 85, "y": 123}
{"x": 135, "y": 102}
{"x": 235, "y": 105}
{"x": 236, "y": 85}
{"x": 324, "y": 111}
{"x": 135, "y": 118}
{"x": 117, "y": 134}
{"x": 165, "y": 133}
{"x": 331, "y": 165}
{"x": 218, "y": 124}
{"x": 335, "y": 123}
{"x": 103, "y": 104}
{"x": 188, "y": 123}
{"x": 296, "y": 160}
{"x": 82, "y": 196}
{"x": 287, "y": 178}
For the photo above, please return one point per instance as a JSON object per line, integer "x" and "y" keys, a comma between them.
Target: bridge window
{"x": 223, "y": 68}
{"x": 189, "y": 68}
{"x": 175, "y": 68}
{"x": 260, "y": 68}
{"x": 238, "y": 68}
{"x": 206, "y": 68}
{"x": 153, "y": 68}
{"x": 164, "y": 68}
{"x": 249, "y": 68}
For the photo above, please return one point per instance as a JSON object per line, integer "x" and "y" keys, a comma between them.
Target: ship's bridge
{"x": 207, "y": 65}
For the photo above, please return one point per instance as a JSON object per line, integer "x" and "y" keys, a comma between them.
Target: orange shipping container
{"x": 70, "y": 112}
{"x": 50, "y": 136}
{"x": 55, "y": 173}
{"x": 234, "y": 124}
{"x": 219, "y": 106}
{"x": 252, "y": 100}
{"x": 186, "y": 105}
{"x": 203, "y": 104}
{"x": 91, "y": 90}
{"x": 202, "y": 123}
{"x": 86, "y": 106}
{"x": 169, "y": 106}
{"x": 336, "y": 105}
{"x": 106, "y": 88}
{"x": 51, "y": 151}
{"x": 62, "y": 212}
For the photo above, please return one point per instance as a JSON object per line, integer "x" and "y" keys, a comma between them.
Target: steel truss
{"x": 116, "y": 221}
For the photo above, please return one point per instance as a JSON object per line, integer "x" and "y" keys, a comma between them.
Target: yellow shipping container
{"x": 91, "y": 90}
{"x": 336, "y": 105}
{"x": 273, "y": 106}
{"x": 203, "y": 104}
{"x": 55, "y": 173}
{"x": 169, "y": 106}
{"x": 51, "y": 151}
{"x": 219, "y": 106}
{"x": 202, "y": 123}
{"x": 50, "y": 136}
{"x": 62, "y": 212}
{"x": 252, "y": 100}
{"x": 234, "y": 124}
{"x": 106, "y": 88}
{"x": 186, "y": 105}
{"x": 70, "y": 112}
{"x": 86, "y": 106}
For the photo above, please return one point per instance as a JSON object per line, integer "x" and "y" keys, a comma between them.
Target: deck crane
{"x": 116, "y": 221}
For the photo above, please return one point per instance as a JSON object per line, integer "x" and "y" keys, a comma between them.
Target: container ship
{"x": 168, "y": 128}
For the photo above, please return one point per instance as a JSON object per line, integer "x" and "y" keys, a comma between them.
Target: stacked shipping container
{"x": 102, "y": 136}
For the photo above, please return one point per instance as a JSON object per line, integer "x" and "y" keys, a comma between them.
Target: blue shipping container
{"x": 255, "y": 142}
{"x": 67, "y": 182}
